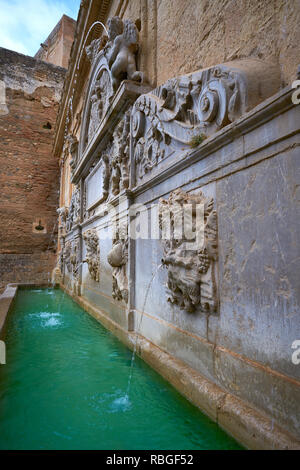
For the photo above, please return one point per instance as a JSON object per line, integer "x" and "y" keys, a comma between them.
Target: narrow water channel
{"x": 64, "y": 387}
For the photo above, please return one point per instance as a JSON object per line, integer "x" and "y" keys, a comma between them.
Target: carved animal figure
{"x": 121, "y": 59}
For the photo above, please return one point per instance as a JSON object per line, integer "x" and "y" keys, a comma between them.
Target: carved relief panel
{"x": 71, "y": 258}
{"x": 73, "y": 213}
{"x": 191, "y": 268}
{"x": 98, "y": 103}
{"x": 178, "y": 115}
{"x": 117, "y": 258}
{"x": 92, "y": 253}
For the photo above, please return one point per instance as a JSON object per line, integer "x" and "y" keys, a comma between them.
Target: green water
{"x": 64, "y": 387}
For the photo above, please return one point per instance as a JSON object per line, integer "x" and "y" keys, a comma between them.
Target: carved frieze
{"x": 191, "y": 268}
{"x": 181, "y": 113}
{"x": 92, "y": 253}
{"x": 117, "y": 258}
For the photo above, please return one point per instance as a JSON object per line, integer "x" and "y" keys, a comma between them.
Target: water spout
{"x": 138, "y": 329}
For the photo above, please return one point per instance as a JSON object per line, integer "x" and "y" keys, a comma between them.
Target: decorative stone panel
{"x": 191, "y": 271}
{"x": 178, "y": 115}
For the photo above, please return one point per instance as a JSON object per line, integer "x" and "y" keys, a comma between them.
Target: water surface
{"x": 65, "y": 381}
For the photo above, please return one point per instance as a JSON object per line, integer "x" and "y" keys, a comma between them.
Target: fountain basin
{"x": 64, "y": 386}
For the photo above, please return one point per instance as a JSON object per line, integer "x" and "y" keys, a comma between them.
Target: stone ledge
{"x": 7, "y": 299}
{"x": 6, "y": 302}
{"x": 248, "y": 426}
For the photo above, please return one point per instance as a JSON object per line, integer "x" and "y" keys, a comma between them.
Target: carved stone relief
{"x": 117, "y": 258}
{"x": 60, "y": 263}
{"x": 191, "y": 272}
{"x": 92, "y": 253}
{"x": 120, "y": 156}
{"x": 67, "y": 256}
{"x": 116, "y": 59}
{"x": 75, "y": 258}
{"x": 73, "y": 216}
{"x": 188, "y": 109}
{"x": 71, "y": 262}
{"x": 73, "y": 149}
{"x": 95, "y": 47}
{"x": 57, "y": 273}
{"x": 121, "y": 51}
{"x": 114, "y": 161}
{"x": 99, "y": 102}
{"x": 63, "y": 215}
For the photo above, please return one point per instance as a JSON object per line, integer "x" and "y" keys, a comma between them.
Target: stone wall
{"x": 179, "y": 36}
{"x": 29, "y": 179}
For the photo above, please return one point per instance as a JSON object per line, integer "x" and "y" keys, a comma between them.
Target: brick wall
{"x": 29, "y": 174}
{"x": 57, "y": 47}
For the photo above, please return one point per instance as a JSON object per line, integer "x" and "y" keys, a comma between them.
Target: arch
{"x": 98, "y": 97}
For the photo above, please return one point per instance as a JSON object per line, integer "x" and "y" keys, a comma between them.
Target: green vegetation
{"x": 196, "y": 140}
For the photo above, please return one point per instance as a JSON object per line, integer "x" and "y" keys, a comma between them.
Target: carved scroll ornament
{"x": 188, "y": 109}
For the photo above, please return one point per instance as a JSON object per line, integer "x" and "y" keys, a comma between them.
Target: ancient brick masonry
{"x": 29, "y": 178}
{"x": 56, "y": 49}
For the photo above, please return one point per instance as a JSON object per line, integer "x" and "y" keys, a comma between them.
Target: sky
{"x": 25, "y": 24}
